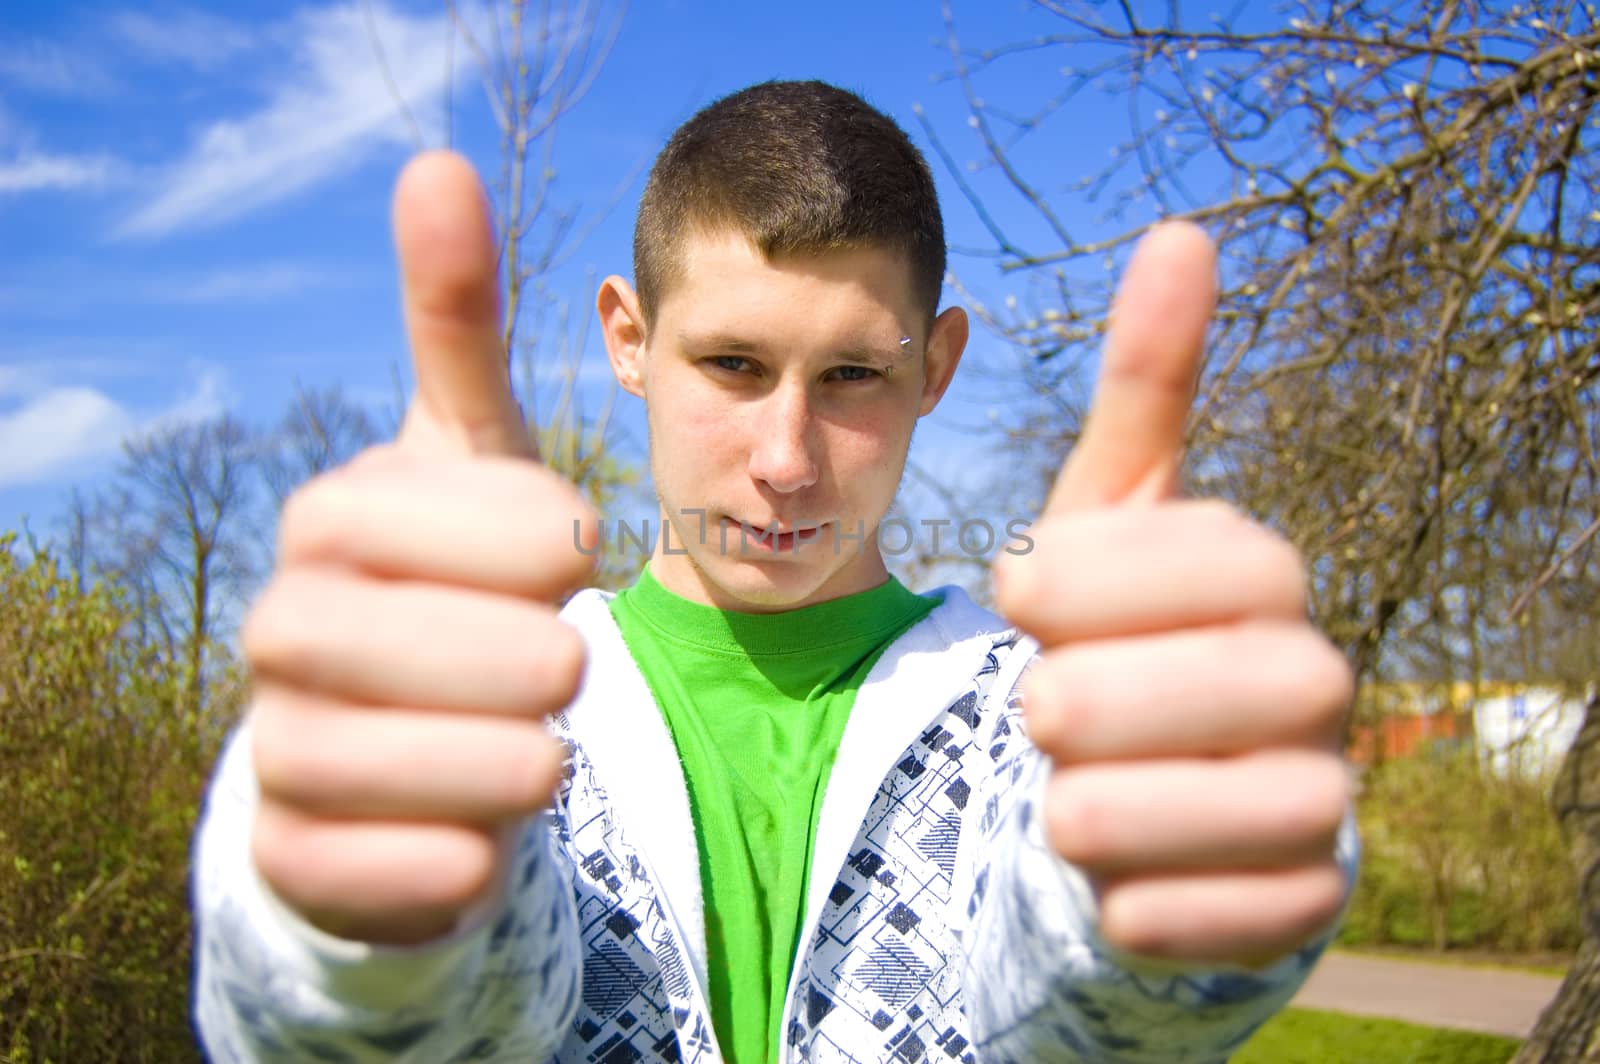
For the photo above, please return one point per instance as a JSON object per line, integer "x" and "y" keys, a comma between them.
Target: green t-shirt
{"x": 757, "y": 704}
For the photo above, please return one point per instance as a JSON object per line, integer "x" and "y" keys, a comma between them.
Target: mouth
{"x": 776, "y": 538}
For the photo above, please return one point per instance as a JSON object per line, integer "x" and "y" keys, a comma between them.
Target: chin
{"x": 762, "y": 587}
{"x": 765, "y": 583}
{"x": 747, "y": 584}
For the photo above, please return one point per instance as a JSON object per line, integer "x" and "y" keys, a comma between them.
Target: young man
{"x": 767, "y": 804}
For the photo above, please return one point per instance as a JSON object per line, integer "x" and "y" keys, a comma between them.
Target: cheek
{"x": 878, "y": 431}
{"x": 693, "y": 438}
{"x": 868, "y": 451}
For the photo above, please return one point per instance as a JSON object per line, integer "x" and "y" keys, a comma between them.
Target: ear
{"x": 946, "y": 340}
{"x": 622, "y": 325}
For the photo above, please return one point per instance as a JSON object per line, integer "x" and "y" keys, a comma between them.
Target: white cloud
{"x": 208, "y": 399}
{"x": 332, "y": 108}
{"x": 87, "y": 62}
{"x": 15, "y": 381}
{"x": 58, "y": 429}
{"x": 47, "y": 67}
{"x": 247, "y": 284}
{"x": 32, "y": 170}
{"x": 24, "y": 167}
{"x": 193, "y": 38}
{"x": 57, "y": 291}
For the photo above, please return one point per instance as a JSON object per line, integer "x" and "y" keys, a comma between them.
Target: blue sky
{"x": 194, "y": 199}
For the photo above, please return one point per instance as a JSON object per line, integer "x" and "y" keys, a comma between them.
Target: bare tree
{"x": 320, "y": 430}
{"x": 1405, "y": 370}
{"x": 537, "y": 62}
{"x": 76, "y": 525}
{"x": 1567, "y": 1028}
{"x": 172, "y": 531}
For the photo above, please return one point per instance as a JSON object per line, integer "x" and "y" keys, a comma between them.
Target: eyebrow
{"x": 738, "y": 345}
{"x": 720, "y": 342}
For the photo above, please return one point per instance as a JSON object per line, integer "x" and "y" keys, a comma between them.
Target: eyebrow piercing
{"x": 905, "y": 342}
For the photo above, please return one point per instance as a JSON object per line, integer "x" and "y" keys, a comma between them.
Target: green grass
{"x": 1305, "y": 1036}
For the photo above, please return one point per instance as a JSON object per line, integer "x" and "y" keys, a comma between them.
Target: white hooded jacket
{"x": 939, "y": 926}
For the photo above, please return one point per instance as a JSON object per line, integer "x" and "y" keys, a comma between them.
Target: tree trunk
{"x": 1569, "y": 1029}
{"x": 1441, "y": 916}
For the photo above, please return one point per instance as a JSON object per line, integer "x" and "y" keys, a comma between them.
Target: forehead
{"x": 723, "y": 274}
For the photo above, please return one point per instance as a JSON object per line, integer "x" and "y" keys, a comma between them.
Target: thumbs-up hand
{"x": 1191, "y": 713}
{"x": 407, "y": 648}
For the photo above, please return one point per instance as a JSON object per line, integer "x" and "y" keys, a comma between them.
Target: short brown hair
{"x": 797, "y": 167}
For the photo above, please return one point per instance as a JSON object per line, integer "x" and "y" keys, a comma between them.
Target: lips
{"x": 774, "y": 538}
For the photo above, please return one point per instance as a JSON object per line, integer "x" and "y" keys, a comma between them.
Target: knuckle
{"x": 571, "y": 540}
{"x": 1321, "y": 897}
{"x": 1338, "y": 680}
{"x": 312, "y": 525}
{"x": 277, "y": 848}
{"x": 1042, "y": 708}
{"x": 1077, "y": 822}
{"x": 1222, "y": 512}
{"x": 1273, "y": 563}
{"x": 1317, "y": 806}
{"x": 273, "y": 750}
{"x": 1331, "y": 686}
{"x": 470, "y": 874}
{"x": 295, "y": 762}
{"x": 1124, "y": 923}
{"x": 255, "y": 627}
{"x": 276, "y": 635}
{"x": 1284, "y": 566}
{"x": 1314, "y": 680}
{"x": 581, "y": 554}
{"x": 1073, "y": 703}
{"x": 560, "y": 665}
{"x": 265, "y": 630}
{"x": 532, "y": 772}
{"x": 1009, "y": 579}
{"x": 578, "y": 509}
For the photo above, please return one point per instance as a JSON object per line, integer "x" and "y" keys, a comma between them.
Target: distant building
{"x": 1396, "y": 718}
{"x": 1516, "y": 728}
{"x": 1526, "y": 732}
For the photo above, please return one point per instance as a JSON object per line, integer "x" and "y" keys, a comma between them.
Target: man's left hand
{"x": 1191, "y": 712}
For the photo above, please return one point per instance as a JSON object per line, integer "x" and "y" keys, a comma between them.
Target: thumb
{"x": 1132, "y": 443}
{"x": 451, "y": 299}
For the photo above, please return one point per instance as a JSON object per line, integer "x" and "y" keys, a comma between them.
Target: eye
{"x": 731, "y": 363}
{"x": 854, "y": 373}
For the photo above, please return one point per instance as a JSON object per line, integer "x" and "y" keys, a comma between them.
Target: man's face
{"x": 781, "y": 402}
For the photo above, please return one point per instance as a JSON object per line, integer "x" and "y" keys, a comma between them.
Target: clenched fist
{"x": 407, "y": 650}
{"x": 1191, "y": 711}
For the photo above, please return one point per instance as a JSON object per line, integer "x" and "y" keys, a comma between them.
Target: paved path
{"x": 1437, "y": 995}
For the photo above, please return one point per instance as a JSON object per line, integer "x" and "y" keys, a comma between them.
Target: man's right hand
{"x": 407, "y": 650}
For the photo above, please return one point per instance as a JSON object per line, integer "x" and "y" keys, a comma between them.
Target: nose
{"x": 782, "y": 454}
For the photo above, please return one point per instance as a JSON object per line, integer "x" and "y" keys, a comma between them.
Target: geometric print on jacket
{"x": 950, "y": 932}
{"x": 883, "y": 972}
{"x": 638, "y": 1001}
{"x": 882, "y": 978}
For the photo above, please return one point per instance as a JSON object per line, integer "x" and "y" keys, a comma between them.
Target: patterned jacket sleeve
{"x": 269, "y": 987}
{"x": 1042, "y": 986}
